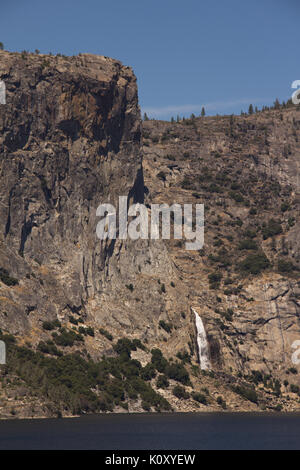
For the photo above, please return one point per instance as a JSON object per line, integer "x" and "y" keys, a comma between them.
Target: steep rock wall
{"x": 70, "y": 139}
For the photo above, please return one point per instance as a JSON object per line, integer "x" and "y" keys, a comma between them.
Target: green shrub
{"x": 272, "y": 228}
{"x": 247, "y": 393}
{"x": 294, "y": 388}
{"x": 214, "y": 280}
{"x": 47, "y": 325}
{"x": 124, "y": 347}
{"x": 286, "y": 266}
{"x": 257, "y": 377}
{"x": 199, "y": 397}
{"x": 75, "y": 384}
{"x": 221, "y": 402}
{"x": 7, "y": 279}
{"x": 49, "y": 348}
{"x": 232, "y": 291}
{"x": 66, "y": 338}
{"x": 82, "y": 330}
{"x": 166, "y": 326}
{"x": 162, "y": 382}
{"x": 180, "y": 392}
{"x": 248, "y": 244}
{"x": 90, "y": 331}
{"x": 146, "y": 406}
{"x": 254, "y": 263}
{"x": 184, "y": 356}
{"x": 105, "y": 333}
{"x": 163, "y": 289}
{"x": 51, "y": 325}
{"x": 162, "y": 175}
{"x": 130, "y": 287}
{"x": 188, "y": 183}
{"x": 178, "y": 372}
{"x": 214, "y": 188}
{"x": 136, "y": 343}
{"x": 250, "y": 233}
{"x": 148, "y": 372}
{"x": 285, "y": 207}
{"x": 228, "y": 314}
{"x": 158, "y": 360}
{"x": 236, "y": 196}
{"x": 149, "y": 397}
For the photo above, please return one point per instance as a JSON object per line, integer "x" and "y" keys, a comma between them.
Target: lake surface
{"x": 155, "y": 431}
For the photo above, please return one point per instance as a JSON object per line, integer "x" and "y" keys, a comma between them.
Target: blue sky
{"x": 223, "y": 54}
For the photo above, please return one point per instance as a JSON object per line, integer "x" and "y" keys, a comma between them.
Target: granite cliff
{"x": 71, "y": 138}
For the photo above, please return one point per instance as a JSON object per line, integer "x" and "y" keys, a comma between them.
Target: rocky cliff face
{"x": 70, "y": 139}
{"x": 245, "y": 282}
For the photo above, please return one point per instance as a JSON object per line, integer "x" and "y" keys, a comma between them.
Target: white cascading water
{"x": 202, "y": 343}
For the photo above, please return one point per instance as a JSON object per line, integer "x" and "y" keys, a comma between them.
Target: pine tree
{"x": 146, "y": 117}
{"x": 276, "y": 104}
{"x": 1, "y": 46}
{"x": 250, "y": 110}
{"x": 203, "y": 111}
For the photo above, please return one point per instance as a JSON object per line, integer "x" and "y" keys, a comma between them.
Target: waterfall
{"x": 202, "y": 343}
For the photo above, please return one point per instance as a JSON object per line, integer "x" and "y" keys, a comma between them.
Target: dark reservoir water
{"x": 152, "y": 432}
